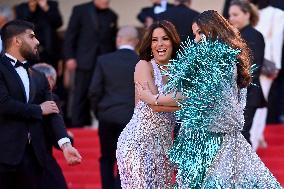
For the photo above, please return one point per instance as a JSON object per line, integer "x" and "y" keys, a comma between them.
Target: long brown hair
{"x": 247, "y": 7}
{"x": 214, "y": 26}
{"x": 145, "y": 44}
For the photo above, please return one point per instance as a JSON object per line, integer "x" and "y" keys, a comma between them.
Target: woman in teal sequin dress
{"x": 211, "y": 74}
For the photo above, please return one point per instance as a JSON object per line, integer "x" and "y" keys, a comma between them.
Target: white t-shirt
{"x": 271, "y": 26}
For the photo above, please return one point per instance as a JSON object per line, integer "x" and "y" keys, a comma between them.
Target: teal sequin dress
{"x": 210, "y": 151}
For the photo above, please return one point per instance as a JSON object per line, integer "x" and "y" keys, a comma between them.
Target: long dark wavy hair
{"x": 145, "y": 44}
{"x": 215, "y": 26}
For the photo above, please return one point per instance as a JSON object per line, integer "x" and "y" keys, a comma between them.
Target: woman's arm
{"x": 145, "y": 94}
{"x": 164, "y": 108}
{"x": 144, "y": 73}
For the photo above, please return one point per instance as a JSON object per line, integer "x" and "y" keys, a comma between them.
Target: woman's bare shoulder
{"x": 143, "y": 70}
{"x": 143, "y": 64}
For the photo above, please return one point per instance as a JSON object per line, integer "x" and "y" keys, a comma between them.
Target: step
{"x": 90, "y": 142}
{"x": 84, "y": 151}
{"x": 272, "y": 151}
{"x": 82, "y": 177}
{"x": 279, "y": 175}
{"x": 84, "y": 132}
{"x": 274, "y": 129}
{"x": 273, "y": 163}
{"x": 84, "y": 186}
{"x": 85, "y": 165}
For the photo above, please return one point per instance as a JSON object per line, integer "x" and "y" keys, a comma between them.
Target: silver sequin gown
{"x": 143, "y": 146}
{"x": 210, "y": 152}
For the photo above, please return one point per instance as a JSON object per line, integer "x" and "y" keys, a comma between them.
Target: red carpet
{"x": 273, "y": 155}
{"x": 87, "y": 176}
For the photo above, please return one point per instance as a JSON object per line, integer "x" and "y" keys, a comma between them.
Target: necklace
{"x": 162, "y": 67}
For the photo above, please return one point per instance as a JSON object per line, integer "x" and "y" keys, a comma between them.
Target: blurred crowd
{"x": 95, "y": 59}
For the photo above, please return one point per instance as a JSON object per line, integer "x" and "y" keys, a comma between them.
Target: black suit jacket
{"x": 149, "y": 12}
{"x": 256, "y": 43}
{"x": 182, "y": 17}
{"x": 112, "y": 89}
{"x": 89, "y": 35}
{"x": 46, "y": 25}
{"x": 17, "y": 117}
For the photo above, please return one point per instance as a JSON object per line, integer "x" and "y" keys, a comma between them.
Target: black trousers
{"x": 248, "y": 114}
{"x": 26, "y": 175}
{"x": 81, "y": 114}
{"x": 108, "y": 134}
{"x": 52, "y": 177}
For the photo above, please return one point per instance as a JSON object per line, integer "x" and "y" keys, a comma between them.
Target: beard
{"x": 28, "y": 53}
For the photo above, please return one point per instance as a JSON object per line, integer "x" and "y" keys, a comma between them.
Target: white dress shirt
{"x": 126, "y": 47}
{"x": 161, "y": 8}
{"x": 22, "y": 72}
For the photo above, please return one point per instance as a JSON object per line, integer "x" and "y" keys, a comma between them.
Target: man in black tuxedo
{"x": 148, "y": 15}
{"x": 25, "y": 100}
{"x": 182, "y": 17}
{"x": 90, "y": 33}
{"x": 45, "y": 15}
{"x": 112, "y": 98}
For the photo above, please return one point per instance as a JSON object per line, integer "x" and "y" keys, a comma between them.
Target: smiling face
{"x": 161, "y": 46}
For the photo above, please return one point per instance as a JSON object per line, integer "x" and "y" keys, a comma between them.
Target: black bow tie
{"x": 24, "y": 65}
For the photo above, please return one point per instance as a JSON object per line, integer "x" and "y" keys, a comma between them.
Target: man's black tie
{"x": 24, "y": 65}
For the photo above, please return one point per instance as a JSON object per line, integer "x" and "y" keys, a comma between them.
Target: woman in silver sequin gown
{"x": 212, "y": 75}
{"x": 143, "y": 145}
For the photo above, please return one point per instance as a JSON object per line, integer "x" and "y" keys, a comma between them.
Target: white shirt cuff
{"x": 63, "y": 141}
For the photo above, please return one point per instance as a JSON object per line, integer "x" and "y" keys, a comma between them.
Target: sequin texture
{"x": 210, "y": 151}
{"x": 143, "y": 146}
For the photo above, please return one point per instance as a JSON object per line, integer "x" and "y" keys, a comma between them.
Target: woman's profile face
{"x": 161, "y": 46}
{"x": 196, "y": 32}
{"x": 237, "y": 17}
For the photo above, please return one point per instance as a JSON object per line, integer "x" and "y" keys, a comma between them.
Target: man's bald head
{"x": 127, "y": 35}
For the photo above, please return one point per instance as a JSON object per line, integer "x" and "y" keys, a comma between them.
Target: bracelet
{"x": 66, "y": 144}
{"x": 156, "y": 99}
